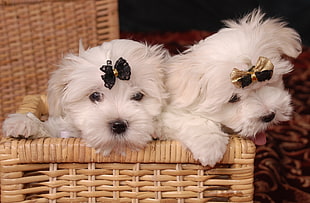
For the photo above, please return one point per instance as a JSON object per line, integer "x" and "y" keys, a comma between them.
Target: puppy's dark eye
{"x": 137, "y": 96}
{"x": 234, "y": 98}
{"x": 96, "y": 97}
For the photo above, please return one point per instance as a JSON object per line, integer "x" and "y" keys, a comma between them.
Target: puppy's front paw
{"x": 210, "y": 151}
{"x": 23, "y": 126}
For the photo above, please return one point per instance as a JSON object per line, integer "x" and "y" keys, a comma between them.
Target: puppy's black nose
{"x": 268, "y": 118}
{"x": 119, "y": 126}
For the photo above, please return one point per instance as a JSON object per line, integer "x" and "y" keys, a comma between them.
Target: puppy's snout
{"x": 119, "y": 126}
{"x": 268, "y": 118}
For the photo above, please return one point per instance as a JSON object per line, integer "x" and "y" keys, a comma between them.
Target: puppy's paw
{"x": 23, "y": 126}
{"x": 210, "y": 151}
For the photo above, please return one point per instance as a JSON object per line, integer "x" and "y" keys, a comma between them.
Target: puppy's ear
{"x": 289, "y": 42}
{"x": 286, "y": 39}
{"x": 182, "y": 84}
{"x": 57, "y": 86}
{"x": 154, "y": 57}
{"x": 272, "y": 33}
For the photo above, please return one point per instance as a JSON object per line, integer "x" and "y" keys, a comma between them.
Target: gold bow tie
{"x": 261, "y": 72}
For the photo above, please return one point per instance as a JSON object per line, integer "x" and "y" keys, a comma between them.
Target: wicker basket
{"x": 34, "y": 34}
{"x": 65, "y": 170}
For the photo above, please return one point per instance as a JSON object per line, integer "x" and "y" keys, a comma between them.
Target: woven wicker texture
{"x": 66, "y": 170}
{"x": 34, "y": 35}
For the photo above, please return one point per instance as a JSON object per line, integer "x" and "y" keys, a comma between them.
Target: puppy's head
{"x": 202, "y": 79}
{"x": 112, "y": 93}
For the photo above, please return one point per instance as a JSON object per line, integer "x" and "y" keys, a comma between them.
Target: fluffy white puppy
{"x": 230, "y": 80}
{"x": 110, "y": 95}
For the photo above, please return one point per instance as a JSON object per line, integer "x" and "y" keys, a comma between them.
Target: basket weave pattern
{"x": 66, "y": 170}
{"x": 34, "y": 35}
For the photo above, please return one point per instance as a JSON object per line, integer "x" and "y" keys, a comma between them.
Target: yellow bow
{"x": 261, "y": 72}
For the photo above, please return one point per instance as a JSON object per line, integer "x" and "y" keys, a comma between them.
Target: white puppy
{"x": 110, "y": 95}
{"x": 230, "y": 80}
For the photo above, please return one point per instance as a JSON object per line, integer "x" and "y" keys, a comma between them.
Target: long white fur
{"x": 200, "y": 88}
{"x": 72, "y": 114}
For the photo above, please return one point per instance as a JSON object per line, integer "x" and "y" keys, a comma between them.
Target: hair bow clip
{"x": 120, "y": 70}
{"x": 262, "y": 71}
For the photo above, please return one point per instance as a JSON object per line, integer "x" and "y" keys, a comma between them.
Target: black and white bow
{"x": 120, "y": 70}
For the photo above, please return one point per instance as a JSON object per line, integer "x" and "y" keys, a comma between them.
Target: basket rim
{"x": 74, "y": 150}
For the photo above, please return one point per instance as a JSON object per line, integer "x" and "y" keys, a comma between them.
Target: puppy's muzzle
{"x": 118, "y": 126}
